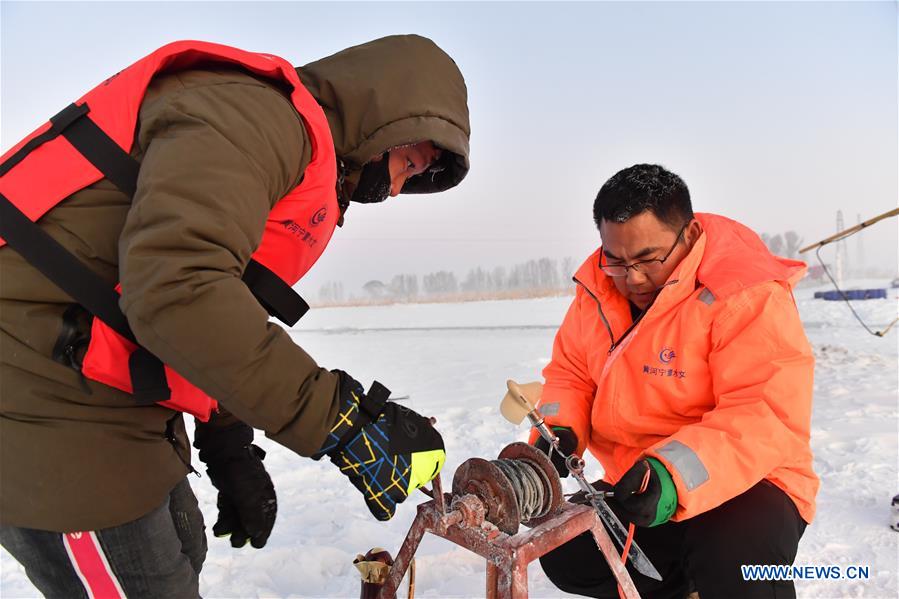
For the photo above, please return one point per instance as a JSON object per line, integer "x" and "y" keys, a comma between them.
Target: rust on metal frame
{"x": 483, "y": 517}
{"x": 507, "y": 555}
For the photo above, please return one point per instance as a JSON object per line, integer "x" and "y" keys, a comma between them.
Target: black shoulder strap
{"x": 62, "y": 267}
{"x": 92, "y": 142}
{"x": 74, "y": 277}
{"x": 99, "y": 149}
{"x": 57, "y": 125}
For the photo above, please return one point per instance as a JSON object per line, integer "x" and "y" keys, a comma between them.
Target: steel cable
{"x": 529, "y": 483}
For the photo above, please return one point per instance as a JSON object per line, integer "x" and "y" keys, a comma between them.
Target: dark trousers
{"x": 158, "y": 555}
{"x": 704, "y": 553}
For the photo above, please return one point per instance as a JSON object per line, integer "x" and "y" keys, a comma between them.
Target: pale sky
{"x": 775, "y": 114}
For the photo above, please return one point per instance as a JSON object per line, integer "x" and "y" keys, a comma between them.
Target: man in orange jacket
{"x": 682, "y": 362}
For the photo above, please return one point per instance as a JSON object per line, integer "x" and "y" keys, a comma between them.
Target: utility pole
{"x": 860, "y": 250}
{"x": 840, "y": 252}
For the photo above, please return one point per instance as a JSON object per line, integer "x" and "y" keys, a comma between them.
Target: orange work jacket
{"x": 715, "y": 380}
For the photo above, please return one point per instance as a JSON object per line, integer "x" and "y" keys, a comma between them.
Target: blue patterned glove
{"x": 385, "y": 449}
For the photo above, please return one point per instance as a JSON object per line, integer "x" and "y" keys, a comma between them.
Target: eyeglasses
{"x": 646, "y": 267}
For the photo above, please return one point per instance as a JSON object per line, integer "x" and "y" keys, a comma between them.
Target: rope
{"x": 528, "y": 482}
{"x": 631, "y": 529}
{"x": 848, "y": 303}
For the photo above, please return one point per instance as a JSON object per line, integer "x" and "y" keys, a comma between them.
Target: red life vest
{"x": 43, "y": 170}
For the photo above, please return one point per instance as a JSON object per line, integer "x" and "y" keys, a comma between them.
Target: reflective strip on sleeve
{"x": 686, "y": 462}
{"x": 550, "y": 409}
{"x": 706, "y": 297}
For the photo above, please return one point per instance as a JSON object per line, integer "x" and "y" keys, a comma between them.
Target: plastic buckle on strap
{"x": 376, "y": 399}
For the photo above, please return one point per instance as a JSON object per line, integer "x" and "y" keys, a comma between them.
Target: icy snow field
{"x": 453, "y": 360}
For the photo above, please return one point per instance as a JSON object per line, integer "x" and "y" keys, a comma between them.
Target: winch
{"x": 490, "y": 501}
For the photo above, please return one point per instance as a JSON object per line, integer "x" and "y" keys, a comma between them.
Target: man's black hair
{"x": 641, "y": 188}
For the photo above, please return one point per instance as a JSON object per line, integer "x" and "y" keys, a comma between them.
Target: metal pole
{"x": 405, "y": 555}
{"x": 519, "y": 586}
{"x": 851, "y": 230}
{"x": 841, "y": 252}
{"x": 604, "y": 542}
{"x": 492, "y": 580}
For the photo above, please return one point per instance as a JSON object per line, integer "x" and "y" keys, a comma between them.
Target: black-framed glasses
{"x": 646, "y": 267}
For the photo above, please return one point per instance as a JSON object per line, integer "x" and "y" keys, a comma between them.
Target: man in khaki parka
{"x": 83, "y": 468}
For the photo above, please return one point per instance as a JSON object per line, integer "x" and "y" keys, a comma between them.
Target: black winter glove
{"x": 385, "y": 449}
{"x": 646, "y": 494}
{"x": 246, "y": 501}
{"x": 567, "y": 444}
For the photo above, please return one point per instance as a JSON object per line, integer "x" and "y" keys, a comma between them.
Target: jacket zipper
{"x": 606, "y": 322}
{"x": 77, "y": 367}
{"x": 599, "y": 306}
{"x": 170, "y": 437}
{"x": 612, "y": 412}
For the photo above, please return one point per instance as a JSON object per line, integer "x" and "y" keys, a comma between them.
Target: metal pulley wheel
{"x": 484, "y": 480}
{"x": 492, "y": 486}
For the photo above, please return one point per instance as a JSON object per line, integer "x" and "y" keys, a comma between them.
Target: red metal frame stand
{"x": 507, "y": 556}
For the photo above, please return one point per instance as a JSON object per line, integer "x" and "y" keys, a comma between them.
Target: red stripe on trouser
{"x": 91, "y": 565}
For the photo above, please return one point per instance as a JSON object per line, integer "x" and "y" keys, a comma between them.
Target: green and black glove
{"x": 567, "y": 445}
{"x": 646, "y": 494}
{"x": 385, "y": 449}
{"x": 246, "y": 500}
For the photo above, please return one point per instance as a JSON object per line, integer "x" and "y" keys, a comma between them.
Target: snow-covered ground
{"x": 453, "y": 360}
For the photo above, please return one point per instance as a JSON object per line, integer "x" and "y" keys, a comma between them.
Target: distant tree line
{"x": 533, "y": 278}
{"x": 544, "y": 276}
{"x": 786, "y": 244}
{"x": 331, "y": 293}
